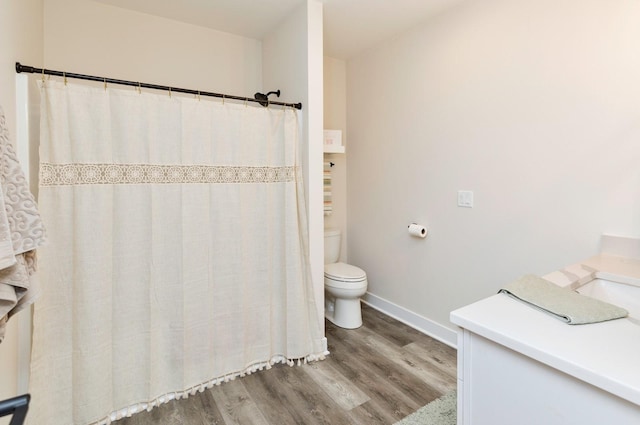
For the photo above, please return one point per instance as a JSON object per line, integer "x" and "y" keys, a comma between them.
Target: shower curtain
{"x": 177, "y": 254}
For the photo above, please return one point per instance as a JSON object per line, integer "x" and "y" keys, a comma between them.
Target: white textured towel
{"x": 21, "y": 232}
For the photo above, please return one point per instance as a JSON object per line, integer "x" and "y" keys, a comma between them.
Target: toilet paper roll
{"x": 417, "y": 230}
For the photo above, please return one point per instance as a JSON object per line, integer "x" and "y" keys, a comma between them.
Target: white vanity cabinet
{"x": 500, "y": 386}
{"x": 518, "y": 365}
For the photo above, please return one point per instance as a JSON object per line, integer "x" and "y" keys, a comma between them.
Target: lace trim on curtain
{"x": 148, "y": 406}
{"x": 81, "y": 174}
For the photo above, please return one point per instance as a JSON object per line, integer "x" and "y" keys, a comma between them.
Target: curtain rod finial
{"x": 23, "y": 68}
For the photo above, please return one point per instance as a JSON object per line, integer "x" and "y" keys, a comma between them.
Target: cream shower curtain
{"x": 177, "y": 250}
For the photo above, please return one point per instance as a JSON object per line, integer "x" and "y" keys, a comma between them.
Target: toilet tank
{"x": 331, "y": 245}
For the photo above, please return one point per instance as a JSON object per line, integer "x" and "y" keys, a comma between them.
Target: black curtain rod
{"x": 262, "y": 99}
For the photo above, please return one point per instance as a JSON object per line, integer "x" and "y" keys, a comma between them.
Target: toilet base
{"x": 344, "y": 313}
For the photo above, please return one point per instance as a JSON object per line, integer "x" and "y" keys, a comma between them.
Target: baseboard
{"x": 409, "y": 318}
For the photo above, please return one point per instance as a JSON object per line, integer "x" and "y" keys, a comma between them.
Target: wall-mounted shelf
{"x": 333, "y": 141}
{"x": 333, "y": 149}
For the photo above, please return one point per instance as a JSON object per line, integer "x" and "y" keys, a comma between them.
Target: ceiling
{"x": 350, "y": 26}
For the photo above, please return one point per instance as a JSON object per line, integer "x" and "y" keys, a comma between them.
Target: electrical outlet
{"x": 465, "y": 198}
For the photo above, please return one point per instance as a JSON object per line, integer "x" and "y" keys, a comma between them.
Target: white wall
{"x": 92, "y": 38}
{"x": 335, "y": 118}
{"x": 534, "y": 106}
{"x": 20, "y": 41}
{"x": 292, "y": 62}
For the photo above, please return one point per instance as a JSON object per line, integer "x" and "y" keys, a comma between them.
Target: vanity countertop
{"x": 606, "y": 355}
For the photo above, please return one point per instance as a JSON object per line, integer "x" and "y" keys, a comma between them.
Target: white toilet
{"x": 344, "y": 284}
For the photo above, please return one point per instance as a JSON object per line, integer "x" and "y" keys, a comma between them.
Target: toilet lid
{"x": 344, "y": 272}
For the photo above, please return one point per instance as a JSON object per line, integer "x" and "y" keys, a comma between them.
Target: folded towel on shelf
{"x": 564, "y": 304}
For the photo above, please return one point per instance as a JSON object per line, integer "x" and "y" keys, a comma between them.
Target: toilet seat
{"x": 345, "y": 273}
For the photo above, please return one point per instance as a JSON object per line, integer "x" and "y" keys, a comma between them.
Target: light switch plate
{"x": 465, "y": 198}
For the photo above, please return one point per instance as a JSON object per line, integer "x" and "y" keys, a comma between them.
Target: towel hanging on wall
{"x": 21, "y": 232}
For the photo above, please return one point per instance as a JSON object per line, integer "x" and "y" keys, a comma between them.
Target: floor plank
{"x": 417, "y": 361}
{"x": 370, "y": 373}
{"x": 388, "y": 368}
{"x": 236, "y": 405}
{"x": 269, "y": 397}
{"x": 375, "y": 375}
{"x": 204, "y": 407}
{"x": 343, "y": 392}
{"x": 307, "y": 401}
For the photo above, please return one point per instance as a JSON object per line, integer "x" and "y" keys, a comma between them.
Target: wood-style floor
{"x": 377, "y": 374}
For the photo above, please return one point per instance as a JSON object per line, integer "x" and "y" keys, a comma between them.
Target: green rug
{"x": 441, "y": 411}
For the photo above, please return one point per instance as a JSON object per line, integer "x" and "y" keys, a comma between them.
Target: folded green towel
{"x": 566, "y": 305}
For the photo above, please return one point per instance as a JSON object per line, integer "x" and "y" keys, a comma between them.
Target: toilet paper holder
{"x": 417, "y": 230}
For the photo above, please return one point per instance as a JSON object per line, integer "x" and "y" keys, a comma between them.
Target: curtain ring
{"x": 64, "y": 75}
{"x": 43, "y": 75}
{"x": 105, "y": 84}
{"x": 169, "y": 92}
{"x": 139, "y": 88}
{"x": 223, "y": 99}
{"x": 198, "y": 95}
